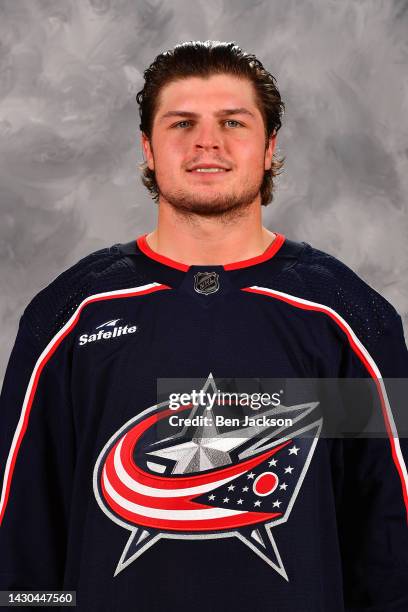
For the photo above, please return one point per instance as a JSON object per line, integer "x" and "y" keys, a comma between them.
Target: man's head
{"x": 209, "y": 104}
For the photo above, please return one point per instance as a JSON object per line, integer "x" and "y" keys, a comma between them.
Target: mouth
{"x": 209, "y": 172}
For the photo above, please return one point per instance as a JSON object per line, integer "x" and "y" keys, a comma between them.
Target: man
{"x": 135, "y": 503}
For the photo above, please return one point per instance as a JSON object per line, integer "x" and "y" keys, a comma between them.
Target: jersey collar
{"x": 270, "y": 251}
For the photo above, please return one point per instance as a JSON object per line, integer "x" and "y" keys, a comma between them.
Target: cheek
{"x": 252, "y": 157}
{"x": 170, "y": 154}
{"x": 244, "y": 147}
{"x": 168, "y": 165}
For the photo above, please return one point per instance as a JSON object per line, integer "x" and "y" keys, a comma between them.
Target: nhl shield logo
{"x": 206, "y": 282}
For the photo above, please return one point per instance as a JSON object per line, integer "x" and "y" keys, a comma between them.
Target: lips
{"x": 207, "y": 166}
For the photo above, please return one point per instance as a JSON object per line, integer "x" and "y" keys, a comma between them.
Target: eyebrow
{"x": 220, "y": 113}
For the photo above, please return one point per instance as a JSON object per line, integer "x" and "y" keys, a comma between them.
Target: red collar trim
{"x": 272, "y": 249}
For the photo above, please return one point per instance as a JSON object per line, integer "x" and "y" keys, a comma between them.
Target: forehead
{"x": 206, "y": 94}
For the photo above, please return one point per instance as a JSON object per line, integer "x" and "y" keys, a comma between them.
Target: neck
{"x": 196, "y": 240}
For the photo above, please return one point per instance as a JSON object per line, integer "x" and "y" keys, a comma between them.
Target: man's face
{"x": 202, "y": 123}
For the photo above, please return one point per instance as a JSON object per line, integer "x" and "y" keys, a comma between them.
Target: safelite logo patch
{"x": 107, "y": 331}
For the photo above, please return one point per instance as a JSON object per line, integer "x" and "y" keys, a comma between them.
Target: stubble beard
{"x": 226, "y": 206}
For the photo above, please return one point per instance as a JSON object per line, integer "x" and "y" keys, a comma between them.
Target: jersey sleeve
{"x": 37, "y": 447}
{"x": 38, "y": 436}
{"x": 373, "y": 518}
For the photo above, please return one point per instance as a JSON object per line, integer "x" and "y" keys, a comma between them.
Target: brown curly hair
{"x": 204, "y": 59}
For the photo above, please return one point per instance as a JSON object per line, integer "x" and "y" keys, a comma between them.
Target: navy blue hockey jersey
{"x": 110, "y": 491}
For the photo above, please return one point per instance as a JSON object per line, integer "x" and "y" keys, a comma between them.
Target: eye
{"x": 233, "y": 121}
{"x": 187, "y": 123}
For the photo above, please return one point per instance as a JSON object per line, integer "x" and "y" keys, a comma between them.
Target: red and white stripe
{"x": 369, "y": 363}
{"x": 41, "y": 362}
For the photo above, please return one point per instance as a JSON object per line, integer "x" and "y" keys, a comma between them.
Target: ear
{"x": 270, "y": 151}
{"x": 147, "y": 151}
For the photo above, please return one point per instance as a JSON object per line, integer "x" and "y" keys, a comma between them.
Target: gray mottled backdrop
{"x": 69, "y": 137}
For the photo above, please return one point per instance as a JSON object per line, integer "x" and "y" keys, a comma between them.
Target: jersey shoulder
{"x": 328, "y": 281}
{"x": 106, "y": 269}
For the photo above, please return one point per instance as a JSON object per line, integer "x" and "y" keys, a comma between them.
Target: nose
{"x": 207, "y": 137}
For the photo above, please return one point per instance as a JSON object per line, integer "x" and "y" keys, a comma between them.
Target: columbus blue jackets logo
{"x": 196, "y": 483}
